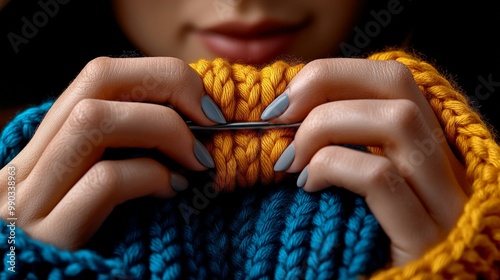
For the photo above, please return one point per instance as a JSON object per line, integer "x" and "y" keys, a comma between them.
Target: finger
{"x": 107, "y": 184}
{"x": 389, "y": 198}
{"x": 95, "y": 125}
{"x": 327, "y": 80}
{"x": 159, "y": 80}
{"x": 398, "y": 127}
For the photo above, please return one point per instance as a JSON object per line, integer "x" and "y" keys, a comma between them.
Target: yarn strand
{"x": 469, "y": 136}
{"x": 245, "y": 158}
{"x": 273, "y": 226}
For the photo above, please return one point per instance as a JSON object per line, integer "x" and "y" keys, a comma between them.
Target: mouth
{"x": 256, "y": 43}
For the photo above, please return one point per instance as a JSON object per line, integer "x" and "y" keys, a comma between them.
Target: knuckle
{"x": 315, "y": 70}
{"x": 324, "y": 159}
{"x": 171, "y": 120}
{"x": 315, "y": 120}
{"x": 179, "y": 76}
{"x": 86, "y": 114}
{"x": 400, "y": 74}
{"x": 178, "y": 70}
{"x": 314, "y": 65}
{"x": 174, "y": 120}
{"x": 317, "y": 112}
{"x": 96, "y": 70}
{"x": 404, "y": 113}
{"x": 104, "y": 176}
{"x": 379, "y": 173}
{"x": 176, "y": 66}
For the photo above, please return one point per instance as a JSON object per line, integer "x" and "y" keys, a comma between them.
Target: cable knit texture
{"x": 244, "y": 158}
{"x": 272, "y": 230}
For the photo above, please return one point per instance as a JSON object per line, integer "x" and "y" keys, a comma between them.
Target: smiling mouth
{"x": 250, "y": 43}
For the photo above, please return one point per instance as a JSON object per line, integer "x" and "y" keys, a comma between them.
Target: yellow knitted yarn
{"x": 244, "y": 158}
{"x": 472, "y": 247}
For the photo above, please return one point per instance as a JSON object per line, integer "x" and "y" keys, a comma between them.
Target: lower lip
{"x": 258, "y": 50}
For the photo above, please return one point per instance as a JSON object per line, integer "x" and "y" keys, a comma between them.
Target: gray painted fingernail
{"x": 285, "y": 159}
{"x": 301, "y": 181}
{"x": 277, "y": 107}
{"x": 202, "y": 155}
{"x": 178, "y": 182}
{"x": 211, "y": 110}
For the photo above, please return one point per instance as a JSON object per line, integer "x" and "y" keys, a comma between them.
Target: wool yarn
{"x": 244, "y": 158}
{"x": 278, "y": 232}
{"x": 472, "y": 249}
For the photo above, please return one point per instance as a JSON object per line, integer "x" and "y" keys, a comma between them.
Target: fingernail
{"x": 301, "y": 181}
{"x": 202, "y": 155}
{"x": 285, "y": 159}
{"x": 211, "y": 110}
{"x": 178, "y": 182}
{"x": 277, "y": 107}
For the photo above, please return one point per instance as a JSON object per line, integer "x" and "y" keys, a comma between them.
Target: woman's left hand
{"x": 416, "y": 190}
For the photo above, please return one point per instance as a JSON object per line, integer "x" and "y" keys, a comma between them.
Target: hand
{"x": 415, "y": 189}
{"x": 64, "y": 190}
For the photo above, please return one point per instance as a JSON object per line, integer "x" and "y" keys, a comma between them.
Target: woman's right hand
{"x": 64, "y": 191}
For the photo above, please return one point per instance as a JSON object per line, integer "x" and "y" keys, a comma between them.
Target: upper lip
{"x": 252, "y": 30}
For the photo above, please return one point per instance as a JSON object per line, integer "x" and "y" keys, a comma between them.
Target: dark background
{"x": 460, "y": 38}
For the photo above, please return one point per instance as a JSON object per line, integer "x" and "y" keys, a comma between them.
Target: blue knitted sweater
{"x": 277, "y": 232}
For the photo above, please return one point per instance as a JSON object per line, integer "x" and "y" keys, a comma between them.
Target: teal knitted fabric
{"x": 272, "y": 232}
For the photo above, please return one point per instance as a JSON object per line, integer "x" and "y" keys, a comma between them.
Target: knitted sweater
{"x": 272, "y": 230}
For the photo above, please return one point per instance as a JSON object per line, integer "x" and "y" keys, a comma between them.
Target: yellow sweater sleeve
{"x": 471, "y": 250}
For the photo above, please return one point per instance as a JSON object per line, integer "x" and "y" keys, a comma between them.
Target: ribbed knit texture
{"x": 275, "y": 230}
{"x": 472, "y": 249}
{"x": 244, "y": 158}
{"x": 269, "y": 233}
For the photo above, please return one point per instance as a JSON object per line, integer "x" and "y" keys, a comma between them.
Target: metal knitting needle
{"x": 240, "y": 125}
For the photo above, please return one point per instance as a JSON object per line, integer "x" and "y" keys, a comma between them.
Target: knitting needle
{"x": 241, "y": 125}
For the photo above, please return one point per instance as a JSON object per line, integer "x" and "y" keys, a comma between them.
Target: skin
{"x": 339, "y": 101}
{"x": 169, "y": 28}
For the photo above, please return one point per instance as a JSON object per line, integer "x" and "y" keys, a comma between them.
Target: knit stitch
{"x": 244, "y": 158}
{"x": 272, "y": 230}
{"x": 472, "y": 249}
